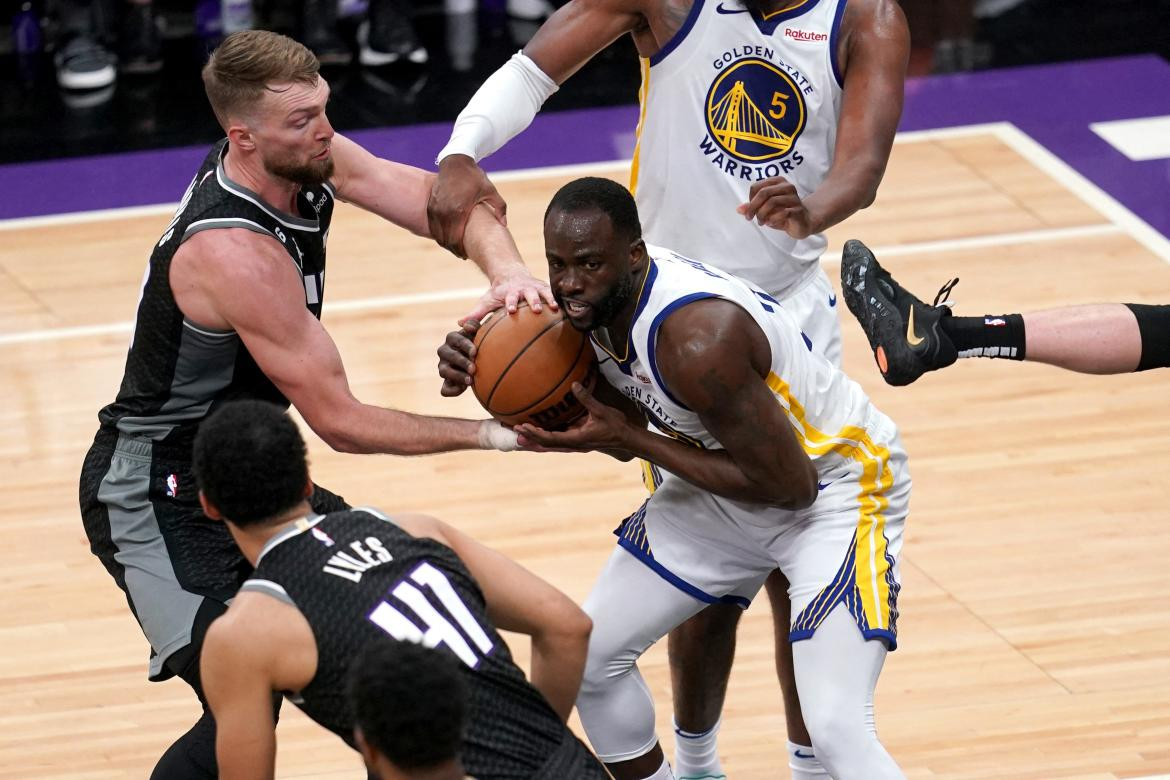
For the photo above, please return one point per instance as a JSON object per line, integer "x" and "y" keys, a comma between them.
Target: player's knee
{"x": 837, "y": 734}
{"x": 609, "y": 659}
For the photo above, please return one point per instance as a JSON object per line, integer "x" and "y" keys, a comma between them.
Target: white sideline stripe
{"x": 470, "y": 293}
{"x": 1142, "y": 139}
{"x": 1090, "y": 193}
{"x": 522, "y": 174}
{"x": 833, "y": 254}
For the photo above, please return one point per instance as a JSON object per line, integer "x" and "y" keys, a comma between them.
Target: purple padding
{"x": 1054, "y": 104}
{"x": 143, "y": 178}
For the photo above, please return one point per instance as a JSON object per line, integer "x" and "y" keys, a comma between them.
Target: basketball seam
{"x": 519, "y": 353}
{"x": 584, "y": 343}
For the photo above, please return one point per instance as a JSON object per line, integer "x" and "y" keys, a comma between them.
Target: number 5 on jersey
{"x": 432, "y": 627}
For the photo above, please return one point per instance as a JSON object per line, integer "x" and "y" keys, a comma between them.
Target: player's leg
{"x": 842, "y": 560}
{"x": 701, "y": 652}
{"x": 802, "y": 760}
{"x": 616, "y": 708}
{"x": 837, "y": 669}
{"x": 910, "y": 337}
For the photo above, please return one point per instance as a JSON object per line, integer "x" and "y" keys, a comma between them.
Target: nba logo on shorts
{"x": 172, "y": 485}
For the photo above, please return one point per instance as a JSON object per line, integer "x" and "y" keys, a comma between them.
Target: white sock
{"x": 804, "y": 764}
{"x": 697, "y": 755}
{"x": 663, "y": 772}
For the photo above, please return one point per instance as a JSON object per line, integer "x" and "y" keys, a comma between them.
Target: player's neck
{"x": 450, "y": 770}
{"x": 251, "y": 541}
{"x": 618, "y": 328}
{"x": 247, "y": 170}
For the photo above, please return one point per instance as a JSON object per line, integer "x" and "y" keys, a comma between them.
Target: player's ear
{"x": 240, "y": 136}
{"x": 209, "y": 508}
{"x": 363, "y": 747}
{"x": 637, "y": 253}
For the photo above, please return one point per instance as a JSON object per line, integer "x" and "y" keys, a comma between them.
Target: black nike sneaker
{"x": 903, "y": 332}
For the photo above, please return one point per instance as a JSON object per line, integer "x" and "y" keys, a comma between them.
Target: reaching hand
{"x": 603, "y": 428}
{"x": 507, "y": 293}
{"x": 775, "y": 203}
{"x": 457, "y": 359}
{"x": 460, "y": 186}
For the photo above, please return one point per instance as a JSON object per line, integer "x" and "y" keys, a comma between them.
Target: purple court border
{"x": 1054, "y": 104}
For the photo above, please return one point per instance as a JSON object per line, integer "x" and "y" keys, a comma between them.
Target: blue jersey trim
{"x": 767, "y": 25}
{"x": 677, "y": 581}
{"x": 644, "y": 298}
{"x": 834, "y": 37}
{"x": 653, "y": 337}
{"x": 675, "y": 41}
{"x": 889, "y": 637}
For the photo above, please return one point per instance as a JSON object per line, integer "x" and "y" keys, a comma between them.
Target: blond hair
{"x": 246, "y": 63}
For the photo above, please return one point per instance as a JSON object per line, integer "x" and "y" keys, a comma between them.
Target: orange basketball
{"x": 526, "y": 364}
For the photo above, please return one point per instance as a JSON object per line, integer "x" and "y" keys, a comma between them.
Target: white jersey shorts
{"x": 844, "y": 549}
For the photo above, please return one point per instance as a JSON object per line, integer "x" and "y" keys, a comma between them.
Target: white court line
{"x": 522, "y": 174}
{"x": 471, "y": 293}
{"x": 1090, "y": 193}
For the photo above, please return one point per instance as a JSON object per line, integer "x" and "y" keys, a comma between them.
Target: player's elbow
{"x": 796, "y": 490}
{"x": 569, "y": 627}
{"x": 339, "y": 439}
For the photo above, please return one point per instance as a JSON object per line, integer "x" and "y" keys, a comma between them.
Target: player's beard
{"x": 754, "y": 5}
{"x": 614, "y": 302}
{"x": 307, "y": 174}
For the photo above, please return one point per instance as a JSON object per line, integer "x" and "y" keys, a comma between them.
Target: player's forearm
{"x": 371, "y": 429}
{"x": 716, "y": 471}
{"x": 490, "y": 246}
{"x": 558, "y": 663}
{"x": 847, "y": 189}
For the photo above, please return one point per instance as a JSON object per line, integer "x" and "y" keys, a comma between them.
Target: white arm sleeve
{"x": 501, "y": 108}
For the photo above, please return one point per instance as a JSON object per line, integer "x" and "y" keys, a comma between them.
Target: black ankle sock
{"x": 992, "y": 337}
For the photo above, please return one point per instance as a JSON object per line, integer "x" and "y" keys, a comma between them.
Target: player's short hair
{"x": 250, "y": 461}
{"x": 409, "y": 701}
{"x": 246, "y": 63}
{"x": 610, "y": 197}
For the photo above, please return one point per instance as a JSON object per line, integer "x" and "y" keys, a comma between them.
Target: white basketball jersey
{"x": 732, "y": 99}
{"x": 829, "y": 412}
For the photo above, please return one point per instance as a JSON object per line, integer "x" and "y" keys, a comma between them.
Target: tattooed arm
{"x": 701, "y": 356}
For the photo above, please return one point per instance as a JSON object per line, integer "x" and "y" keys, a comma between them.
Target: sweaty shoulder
{"x": 214, "y": 266}
{"x": 261, "y": 632}
{"x": 709, "y": 335}
{"x": 878, "y": 21}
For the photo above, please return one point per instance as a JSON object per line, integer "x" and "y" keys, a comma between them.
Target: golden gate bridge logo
{"x": 755, "y": 111}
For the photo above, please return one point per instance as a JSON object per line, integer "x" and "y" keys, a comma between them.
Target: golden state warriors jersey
{"x": 734, "y": 98}
{"x": 829, "y": 412}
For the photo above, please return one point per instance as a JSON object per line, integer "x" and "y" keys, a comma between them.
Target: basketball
{"x": 526, "y": 364}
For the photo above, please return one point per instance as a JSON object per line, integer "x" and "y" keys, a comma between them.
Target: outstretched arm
{"x": 398, "y": 193}
{"x": 219, "y": 276}
{"x": 700, "y": 352}
{"x": 509, "y": 100}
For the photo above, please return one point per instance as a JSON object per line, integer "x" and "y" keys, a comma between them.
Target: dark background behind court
{"x": 40, "y": 120}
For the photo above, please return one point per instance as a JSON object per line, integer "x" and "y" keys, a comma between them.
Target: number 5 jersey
{"x": 356, "y": 576}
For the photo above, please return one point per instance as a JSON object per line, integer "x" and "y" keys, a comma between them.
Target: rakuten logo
{"x": 801, "y": 35}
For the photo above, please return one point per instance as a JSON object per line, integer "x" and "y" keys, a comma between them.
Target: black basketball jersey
{"x": 178, "y": 370}
{"x": 356, "y": 577}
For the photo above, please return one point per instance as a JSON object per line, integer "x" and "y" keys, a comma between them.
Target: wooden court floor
{"x": 1035, "y": 628}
